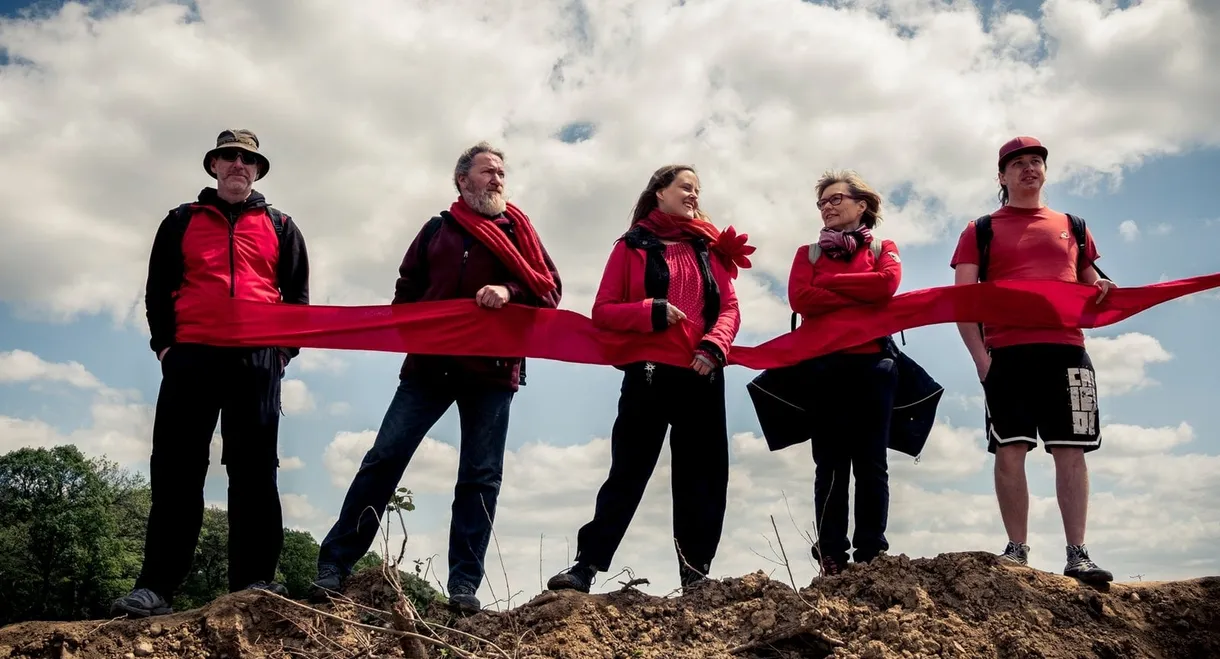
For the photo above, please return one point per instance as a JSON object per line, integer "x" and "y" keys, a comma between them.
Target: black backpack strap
{"x": 982, "y": 237}
{"x": 277, "y": 221}
{"x": 1078, "y": 231}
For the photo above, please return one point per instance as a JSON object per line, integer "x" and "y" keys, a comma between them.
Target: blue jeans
{"x": 415, "y": 408}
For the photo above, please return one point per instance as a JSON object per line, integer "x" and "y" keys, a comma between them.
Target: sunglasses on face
{"x": 229, "y": 155}
{"x": 834, "y": 200}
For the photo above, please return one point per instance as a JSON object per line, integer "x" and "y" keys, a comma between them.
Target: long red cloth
{"x": 460, "y": 327}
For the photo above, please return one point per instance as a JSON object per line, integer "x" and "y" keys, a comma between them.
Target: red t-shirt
{"x": 1027, "y": 244}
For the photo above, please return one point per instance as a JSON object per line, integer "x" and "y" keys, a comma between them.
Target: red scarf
{"x": 728, "y": 244}
{"x": 527, "y": 263}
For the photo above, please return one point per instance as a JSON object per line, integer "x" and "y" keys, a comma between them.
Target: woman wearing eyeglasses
{"x": 845, "y": 267}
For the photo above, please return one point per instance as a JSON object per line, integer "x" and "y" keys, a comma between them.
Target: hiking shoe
{"x": 831, "y": 565}
{"x": 463, "y": 600}
{"x": 141, "y": 603}
{"x": 1016, "y": 553}
{"x": 690, "y": 576}
{"x": 578, "y": 577}
{"x": 269, "y": 586}
{"x": 328, "y": 582}
{"x": 1080, "y": 566}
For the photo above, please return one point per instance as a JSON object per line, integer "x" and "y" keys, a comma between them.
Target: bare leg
{"x": 1072, "y": 489}
{"x": 1012, "y": 491}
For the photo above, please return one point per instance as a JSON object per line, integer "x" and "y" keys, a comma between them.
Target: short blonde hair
{"x": 859, "y": 190}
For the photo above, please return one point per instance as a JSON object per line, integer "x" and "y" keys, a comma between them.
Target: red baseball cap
{"x": 1018, "y": 146}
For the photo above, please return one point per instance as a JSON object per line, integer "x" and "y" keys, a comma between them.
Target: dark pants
{"x": 417, "y": 406}
{"x": 852, "y": 436}
{"x": 692, "y": 406}
{"x": 199, "y": 385}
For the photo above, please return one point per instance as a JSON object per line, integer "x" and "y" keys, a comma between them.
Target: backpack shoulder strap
{"x": 815, "y": 252}
{"x": 277, "y": 221}
{"x": 982, "y": 238}
{"x": 1078, "y": 232}
{"x": 875, "y": 246}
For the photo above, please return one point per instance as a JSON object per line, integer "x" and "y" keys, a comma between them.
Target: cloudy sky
{"x": 105, "y": 111}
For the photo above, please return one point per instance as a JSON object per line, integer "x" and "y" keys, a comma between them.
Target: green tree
{"x": 209, "y": 575}
{"x": 298, "y": 562}
{"x": 63, "y": 554}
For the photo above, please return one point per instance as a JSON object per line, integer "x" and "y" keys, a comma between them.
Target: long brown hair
{"x": 661, "y": 179}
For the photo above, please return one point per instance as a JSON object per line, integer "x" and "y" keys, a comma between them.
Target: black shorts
{"x": 1042, "y": 389}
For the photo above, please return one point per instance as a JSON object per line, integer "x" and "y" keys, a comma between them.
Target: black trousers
{"x": 692, "y": 407}
{"x": 241, "y": 388}
{"x": 852, "y": 437}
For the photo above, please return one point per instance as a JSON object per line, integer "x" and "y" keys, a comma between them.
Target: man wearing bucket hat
{"x": 1036, "y": 381}
{"x": 228, "y": 242}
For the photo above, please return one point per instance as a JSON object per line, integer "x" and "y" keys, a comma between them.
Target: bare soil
{"x": 962, "y": 605}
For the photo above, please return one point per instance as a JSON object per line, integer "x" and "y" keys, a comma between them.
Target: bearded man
{"x": 482, "y": 248}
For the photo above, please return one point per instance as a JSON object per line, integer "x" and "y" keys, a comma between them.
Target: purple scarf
{"x": 843, "y": 244}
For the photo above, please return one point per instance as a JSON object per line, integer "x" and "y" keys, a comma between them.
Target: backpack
{"x": 983, "y": 234}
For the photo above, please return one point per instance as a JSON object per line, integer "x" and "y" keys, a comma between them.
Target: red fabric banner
{"x": 460, "y": 327}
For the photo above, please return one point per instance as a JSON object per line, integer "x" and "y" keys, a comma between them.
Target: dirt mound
{"x": 954, "y": 605}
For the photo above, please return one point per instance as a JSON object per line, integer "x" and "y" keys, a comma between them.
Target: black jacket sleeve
{"x": 165, "y": 269}
{"x": 293, "y": 272}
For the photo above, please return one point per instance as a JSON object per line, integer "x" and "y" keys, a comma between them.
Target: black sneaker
{"x": 141, "y": 603}
{"x": 1016, "y": 553}
{"x": 462, "y": 599}
{"x": 1080, "y": 566}
{"x": 328, "y": 582}
{"x": 269, "y": 586}
{"x": 831, "y": 565}
{"x": 578, "y": 577}
{"x": 691, "y": 576}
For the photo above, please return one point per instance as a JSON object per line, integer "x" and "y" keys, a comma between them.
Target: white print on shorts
{"x": 1083, "y": 391}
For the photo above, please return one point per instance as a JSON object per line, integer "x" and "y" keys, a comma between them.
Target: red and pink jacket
{"x": 635, "y": 289}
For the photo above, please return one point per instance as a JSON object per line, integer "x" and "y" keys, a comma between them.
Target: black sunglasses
{"x": 229, "y": 155}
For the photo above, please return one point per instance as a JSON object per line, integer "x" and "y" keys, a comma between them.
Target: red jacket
{"x": 829, "y": 284}
{"x": 635, "y": 284}
{"x": 217, "y": 249}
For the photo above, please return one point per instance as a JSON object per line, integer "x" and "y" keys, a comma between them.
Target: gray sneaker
{"x": 1080, "y": 566}
{"x": 141, "y": 603}
{"x": 269, "y": 586}
{"x": 462, "y": 599}
{"x": 1017, "y": 554}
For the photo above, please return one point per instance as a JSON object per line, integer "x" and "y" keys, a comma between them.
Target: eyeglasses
{"x": 229, "y": 155}
{"x": 834, "y": 200}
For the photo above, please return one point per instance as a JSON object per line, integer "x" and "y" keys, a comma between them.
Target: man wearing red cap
{"x": 1036, "y": 382}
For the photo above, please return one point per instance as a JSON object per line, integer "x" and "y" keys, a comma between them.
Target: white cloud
{"x": 320, "y": 361}
{"x": 1122, "y": 361}
{"x": 339, "y": 409}
{"x": 1129, "y": 230}
{"x": 399, "y": 103}
{"x": 119, "y": 423}
{"x": 1162, "y": 229}
{"x": 342, "y": 456}
{"x": 291, "y": 463}
{"x": 298, "y": 511}
{"x": 24, "y": 366}
{"x": 295, "y": 397}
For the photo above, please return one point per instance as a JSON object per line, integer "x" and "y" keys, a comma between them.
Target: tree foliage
{"x": 72, "y": 540}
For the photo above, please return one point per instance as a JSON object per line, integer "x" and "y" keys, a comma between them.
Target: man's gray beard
{"x": 487, "y": 203}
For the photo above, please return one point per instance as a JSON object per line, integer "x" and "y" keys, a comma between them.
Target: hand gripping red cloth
{"x": 460, "y": 327}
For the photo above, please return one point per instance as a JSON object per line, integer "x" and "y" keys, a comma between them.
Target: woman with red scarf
{"x": 847, "y": 266}
{"x": 672, "y": 267}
